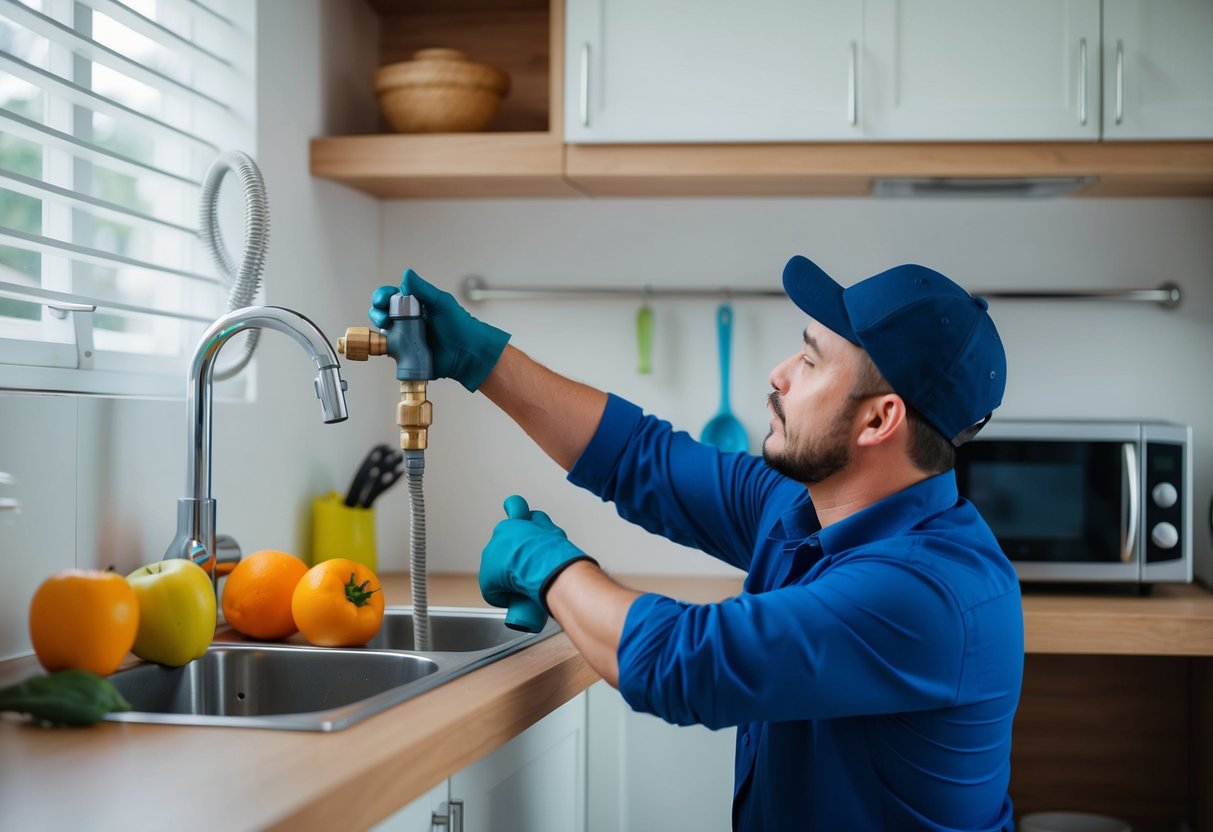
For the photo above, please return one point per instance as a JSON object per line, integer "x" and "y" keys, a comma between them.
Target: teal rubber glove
{"x": 463, "y": 348}
{"x": 521, "y": 560}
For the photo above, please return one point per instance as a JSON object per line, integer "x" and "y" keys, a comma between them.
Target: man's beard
{"x": 820, "y": 456}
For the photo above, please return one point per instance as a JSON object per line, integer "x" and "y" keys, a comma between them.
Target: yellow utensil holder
{"x": 339, "y": 531}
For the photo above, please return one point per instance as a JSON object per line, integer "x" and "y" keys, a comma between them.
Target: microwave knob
{"x": 1164, "y": 495}
{"x": 1164, "y": 536}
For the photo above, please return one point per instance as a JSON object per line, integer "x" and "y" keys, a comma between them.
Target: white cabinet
{"x": 887, "y": 70}
{"x": 418, "y": 816}
{"x": 647, "y": 774}
{"x": 1158, "y": 69}
{"x": 956, "y": 70}
{"x": 711, "y": 70}
{"x": 534, "y": 783}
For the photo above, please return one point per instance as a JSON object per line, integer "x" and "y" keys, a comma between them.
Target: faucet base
{"x": 195, "y": 533}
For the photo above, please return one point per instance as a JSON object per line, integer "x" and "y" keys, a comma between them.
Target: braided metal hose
{"x": 414, "y": 462}
{"x": 244, "y": 281}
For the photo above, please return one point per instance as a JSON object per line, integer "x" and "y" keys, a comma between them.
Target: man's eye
{"x": 804, "y": 359}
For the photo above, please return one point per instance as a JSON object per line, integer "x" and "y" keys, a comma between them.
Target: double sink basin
{"x": 294, "y": 686}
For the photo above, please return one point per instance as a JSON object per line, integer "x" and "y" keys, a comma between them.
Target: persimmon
{"x": 338, "y": 603}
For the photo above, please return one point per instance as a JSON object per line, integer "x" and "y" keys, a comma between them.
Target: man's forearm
{"x": 592, "y": 609}
{"x": 559, "y": 414}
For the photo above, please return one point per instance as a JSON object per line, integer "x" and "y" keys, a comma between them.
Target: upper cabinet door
{"x": 1158, "y": 69}
{"x": 712, "y": 70}
{"x": 956, "y": 70}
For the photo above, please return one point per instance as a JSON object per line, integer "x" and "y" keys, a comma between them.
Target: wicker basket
{"x": 440, "y": 91}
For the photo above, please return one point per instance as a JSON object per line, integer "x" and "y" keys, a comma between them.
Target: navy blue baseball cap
{"x": 934, "y": 342}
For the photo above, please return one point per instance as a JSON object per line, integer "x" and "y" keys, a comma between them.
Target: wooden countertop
{"x": 129, "y": 776}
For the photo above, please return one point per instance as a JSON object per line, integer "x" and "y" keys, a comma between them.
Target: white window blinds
{"x": 110, "y": 114}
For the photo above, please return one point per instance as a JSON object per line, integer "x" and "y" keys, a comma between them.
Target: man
{"x": 873, "y": 663}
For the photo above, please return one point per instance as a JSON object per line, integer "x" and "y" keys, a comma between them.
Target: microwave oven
{"x": 1073, "y": 501}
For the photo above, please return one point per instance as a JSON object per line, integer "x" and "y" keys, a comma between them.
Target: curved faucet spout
{"x": 195, "y": 537}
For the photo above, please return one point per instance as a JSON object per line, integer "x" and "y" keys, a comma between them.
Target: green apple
{"x": 176, "y": 611}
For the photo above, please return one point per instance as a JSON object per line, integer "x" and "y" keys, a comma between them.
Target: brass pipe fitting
{"x": 414, "y": 415}
{"x": 360, "y": 342}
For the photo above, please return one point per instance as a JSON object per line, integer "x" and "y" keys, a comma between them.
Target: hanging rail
{"x": 475, "y": 290}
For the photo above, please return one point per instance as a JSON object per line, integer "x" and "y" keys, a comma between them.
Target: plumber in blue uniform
{"x": 872, "y": 664}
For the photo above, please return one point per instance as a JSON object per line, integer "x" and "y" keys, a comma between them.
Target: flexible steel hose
{"x": 246, "y": 280}
{"x": 414, "y": 462}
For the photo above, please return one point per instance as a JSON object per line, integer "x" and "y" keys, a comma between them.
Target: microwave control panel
{"x": 1163, "y": 515}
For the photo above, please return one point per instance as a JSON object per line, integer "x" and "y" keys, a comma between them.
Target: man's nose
{"x": 779, "y": 376}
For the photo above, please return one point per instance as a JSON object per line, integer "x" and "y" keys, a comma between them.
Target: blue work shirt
{"x": 872, "y": 668}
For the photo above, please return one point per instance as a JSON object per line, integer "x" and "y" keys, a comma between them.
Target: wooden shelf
{"x": 450, "y": 165}
{"x": 521, "y": 154}
{"x": 539, "y": 164}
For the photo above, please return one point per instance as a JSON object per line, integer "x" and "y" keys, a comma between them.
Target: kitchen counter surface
{"x": 131, "y": 776}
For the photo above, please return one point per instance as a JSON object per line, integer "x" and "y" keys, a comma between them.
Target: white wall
{"x": 1066, "y": 359}
{"x": 100, "y": 478}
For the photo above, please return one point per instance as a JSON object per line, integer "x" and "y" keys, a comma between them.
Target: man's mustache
{"x": 776, "y": 402}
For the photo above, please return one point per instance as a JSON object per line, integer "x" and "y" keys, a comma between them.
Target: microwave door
{"x": 1059, "y": 508}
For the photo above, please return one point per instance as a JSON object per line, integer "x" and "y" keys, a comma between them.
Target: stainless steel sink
{"x": 298, "y": 687}
{"x": 451, "y": 630}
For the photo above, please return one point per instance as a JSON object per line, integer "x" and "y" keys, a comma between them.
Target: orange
{"x": 257, "y": 594}
{"x": 83, "y": 619}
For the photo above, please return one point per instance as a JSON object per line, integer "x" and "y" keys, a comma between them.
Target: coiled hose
{"x": 414, "y": 469}
{"x": 245, "y": 281}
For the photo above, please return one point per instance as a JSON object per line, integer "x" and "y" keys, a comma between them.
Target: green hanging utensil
{"x": 644, "y": 339}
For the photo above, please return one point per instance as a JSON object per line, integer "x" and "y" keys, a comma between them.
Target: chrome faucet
{"x": 195, "y": 538}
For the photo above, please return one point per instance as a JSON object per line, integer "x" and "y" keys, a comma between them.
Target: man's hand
{"x": 524, "y": 556}
{"x": 463, "y": 348}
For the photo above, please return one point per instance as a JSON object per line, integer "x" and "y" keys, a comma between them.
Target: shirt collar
{"x": 798, "y": 522}
{"x": 894, "y": 514}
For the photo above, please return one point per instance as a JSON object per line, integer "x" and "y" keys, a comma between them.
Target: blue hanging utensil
{"x": 724, "y": 430}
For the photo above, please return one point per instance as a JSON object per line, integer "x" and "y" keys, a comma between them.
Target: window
{"x": 110, "y": 115}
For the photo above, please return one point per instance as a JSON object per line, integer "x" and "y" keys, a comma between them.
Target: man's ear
{"x": 881, "y": 417}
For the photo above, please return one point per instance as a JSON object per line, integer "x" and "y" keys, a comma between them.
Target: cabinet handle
{"x": 450, "y": 816}
{"x": 585, "y": 85}
{"x": 853, "y": 86}
{"x": 1082, "y": 82}
{"x": 1120, "y": 81}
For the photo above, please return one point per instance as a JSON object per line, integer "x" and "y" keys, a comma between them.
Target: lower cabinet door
{"x": 536, "y": 782}
{"x": 647, "y": 774}
{"x": 418, "y": 816}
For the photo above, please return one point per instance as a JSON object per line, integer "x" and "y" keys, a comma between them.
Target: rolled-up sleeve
{"x": 875, "y": 636}
{"x": 667, "y": 483}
